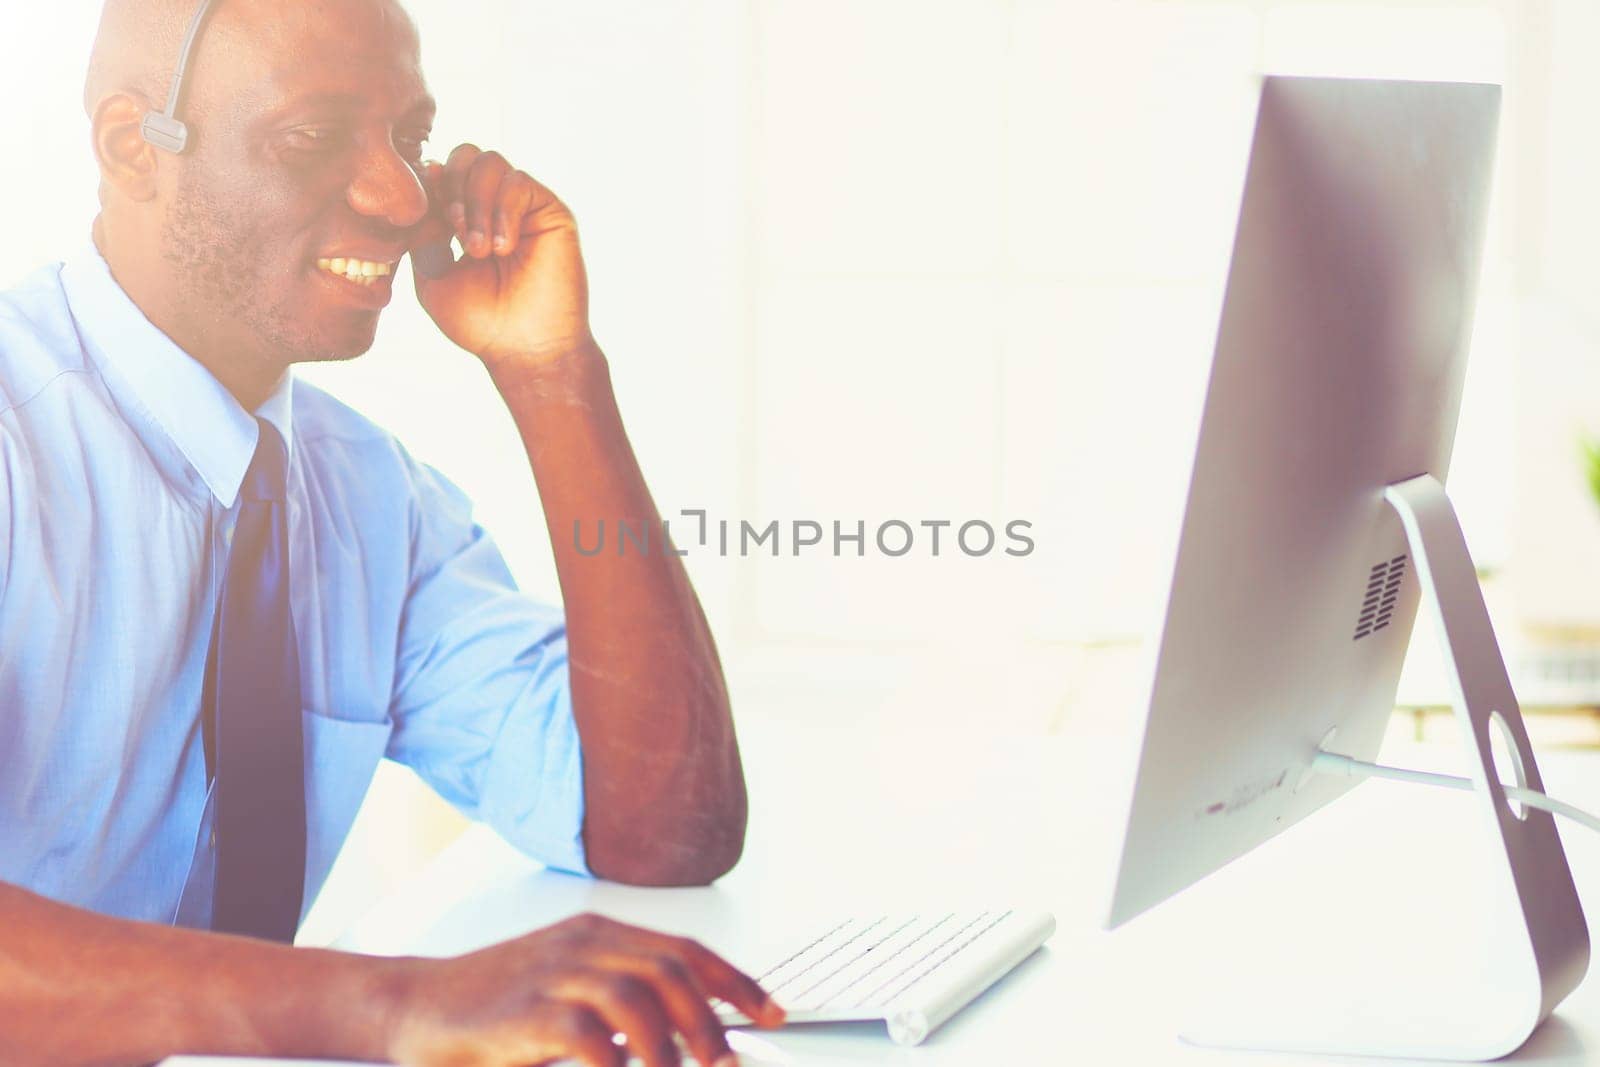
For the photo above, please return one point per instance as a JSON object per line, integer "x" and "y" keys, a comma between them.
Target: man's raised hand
{"x": 520, "y": 290}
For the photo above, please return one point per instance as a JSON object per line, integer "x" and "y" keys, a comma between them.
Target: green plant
{"x": 1591, "y": 465}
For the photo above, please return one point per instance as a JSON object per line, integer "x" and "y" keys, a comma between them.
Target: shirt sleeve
{"x": 7, "y": 512}
{"x": 482, "y": 703}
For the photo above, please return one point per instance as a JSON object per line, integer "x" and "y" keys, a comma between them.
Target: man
{"x": 224, "y": 596}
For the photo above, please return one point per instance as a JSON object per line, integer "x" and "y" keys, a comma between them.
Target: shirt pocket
{"x": 341, "y": 757}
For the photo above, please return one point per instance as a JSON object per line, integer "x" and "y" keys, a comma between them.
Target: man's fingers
{"x": 713, "y": 975}
{"x": 486, "y": 202}
{"x": 685, "y": 1001}
{"x": 430, "y": 250}
{"x": 723, "y": 980}
{"x": 583, "y": 1035}
{"x": 482, "y": 195}
{"x": 516, "y": 197}
{"x": 629, "y": 1006}
{"x": 456, "y": 170}
{"x": 435, "y": 184}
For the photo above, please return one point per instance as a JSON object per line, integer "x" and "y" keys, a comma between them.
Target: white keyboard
{"x": 912, "y": 971}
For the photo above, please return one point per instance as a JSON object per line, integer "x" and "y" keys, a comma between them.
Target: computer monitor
{"x": 1325, "y": 440}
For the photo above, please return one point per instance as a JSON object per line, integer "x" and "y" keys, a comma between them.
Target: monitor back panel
{"x": 1338, "y": 370}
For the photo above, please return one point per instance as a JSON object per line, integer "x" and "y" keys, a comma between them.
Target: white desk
{"x": 842, "y": 821}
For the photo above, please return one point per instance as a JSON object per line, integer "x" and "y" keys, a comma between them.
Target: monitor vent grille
{"x": 1382, "y": 593}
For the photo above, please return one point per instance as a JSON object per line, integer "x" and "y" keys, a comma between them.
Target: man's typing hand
{"x": 520, "y": 291}
{"x": 561, "y": 993}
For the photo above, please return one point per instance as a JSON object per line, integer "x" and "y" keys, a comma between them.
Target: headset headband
{"x": 164, "y": 129}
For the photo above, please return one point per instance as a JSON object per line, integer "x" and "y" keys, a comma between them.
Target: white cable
{"x": 1333, "y": 763}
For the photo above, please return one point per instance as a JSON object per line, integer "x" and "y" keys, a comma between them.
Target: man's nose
{"x": 387, "y": 187}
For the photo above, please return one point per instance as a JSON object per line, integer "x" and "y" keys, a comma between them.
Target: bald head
{"x": 136, "y": 49}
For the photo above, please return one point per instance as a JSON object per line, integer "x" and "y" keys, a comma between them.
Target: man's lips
{"x": 357, "y": 268}
{"x": 368, "y": 283}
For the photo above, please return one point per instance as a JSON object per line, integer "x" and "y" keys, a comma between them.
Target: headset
{"x": 164, "y": 129}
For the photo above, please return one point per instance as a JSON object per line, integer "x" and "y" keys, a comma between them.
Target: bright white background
{"x": 936, "y": 259}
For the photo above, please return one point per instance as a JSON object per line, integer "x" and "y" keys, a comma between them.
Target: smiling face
{"x": 279, "y": 230}
{"x": 299, "y": 197}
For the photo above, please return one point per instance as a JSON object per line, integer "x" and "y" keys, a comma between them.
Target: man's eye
{"x": 313, "y": 139}
{"x": 411, "y": 144}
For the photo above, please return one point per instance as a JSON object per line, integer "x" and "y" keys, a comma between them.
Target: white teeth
{"x": 362, "y": 271}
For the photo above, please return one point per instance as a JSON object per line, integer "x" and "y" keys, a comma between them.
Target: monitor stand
{"x": 1542, "y": 933}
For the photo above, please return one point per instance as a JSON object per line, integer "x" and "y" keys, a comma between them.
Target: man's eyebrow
{"x": 424, "y": 109}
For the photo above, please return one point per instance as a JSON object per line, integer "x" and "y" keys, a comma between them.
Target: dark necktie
{"x": 253, "y": 716}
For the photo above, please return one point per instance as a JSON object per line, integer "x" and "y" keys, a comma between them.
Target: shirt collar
{"x": 211, "y": 428}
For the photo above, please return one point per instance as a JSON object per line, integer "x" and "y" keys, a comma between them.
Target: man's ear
{"x": 127, "y": 161}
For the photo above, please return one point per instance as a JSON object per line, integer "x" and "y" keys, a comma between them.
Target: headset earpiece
{"x": 165, "y": 132}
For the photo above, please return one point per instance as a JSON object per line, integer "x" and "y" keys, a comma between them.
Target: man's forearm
{"x": 664, "y": 788}
{"x": 81, "y": 988}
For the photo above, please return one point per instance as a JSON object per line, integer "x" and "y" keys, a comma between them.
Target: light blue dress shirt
{"x": 121, "y": 460}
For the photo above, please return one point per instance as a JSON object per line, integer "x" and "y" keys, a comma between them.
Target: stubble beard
{"x": 224, "y": 281}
